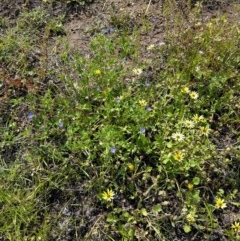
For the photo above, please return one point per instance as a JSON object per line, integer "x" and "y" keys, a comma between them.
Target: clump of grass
{"x": 22, "y": 45}
{"x": 109, "y": 153}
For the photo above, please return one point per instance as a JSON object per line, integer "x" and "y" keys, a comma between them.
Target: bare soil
{"x": 101, "y": 17}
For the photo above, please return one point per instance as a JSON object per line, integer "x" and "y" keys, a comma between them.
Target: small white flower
{"x": 162, "y": 43}
{"x": 178, "y": 136}
{"x": 197, "y": 69}
{"x": 188, "y": 124}
{"x": 194, "y": 95}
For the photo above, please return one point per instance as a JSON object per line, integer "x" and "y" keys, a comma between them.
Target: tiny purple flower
{"x": 111, "y": 29}
{"x": 153, "y": 19}
{"x": 60, "y": 125}
{"x": 142, "y": 130}
{"x": 98, "y": 88}
{"x": 113, "y": 149}
{"x": 83, "y": 52}
{"x": 30, "y": 115}
{"x": 147, "y": 83}
{"x": 104, "y": 31}
{"x": 148, "y": 108}
{"x": 118, "y": 99}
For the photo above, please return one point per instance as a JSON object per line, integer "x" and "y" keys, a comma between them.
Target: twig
{"x": 149, "y": 3}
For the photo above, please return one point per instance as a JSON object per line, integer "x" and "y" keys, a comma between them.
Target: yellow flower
{"x": 137, "y": 71}
{"x": 204, "y": 130}
{"x": 190, "y": 218}
{"x": 185, "y": 90}
{"x": 97, "y": 72}
{"x": 190, "y": 186}
{"x": 108, "y": 195}
{"x": 197, "y": 118}
{"x": 151, "y": 47}
{"x": 178, "y": 136}
{"x": 142, "y": 102}
{"x": 220, "y": 203}
{"x": 194, "y": 95}
{"x": 188, "y": 123}
{"x": 130, "y": 166}
{"x": 178, "y": 156}
{"x": 236, "y": 227}
{"x": 209, "y": 25}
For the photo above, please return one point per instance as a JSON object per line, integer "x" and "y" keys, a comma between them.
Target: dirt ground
{"x": 81, "y": 22}
{"x": 103, "y": 16}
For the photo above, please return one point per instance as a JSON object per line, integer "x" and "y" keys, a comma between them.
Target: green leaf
{"x": 127, "y": 217}
{"x": 169, "y": 144}
{"x": 193, "y": 163}
{"x": 196, "y": 181}
{"x": 112, "y": 218}
{"x": 144, "y": 212}
{"x": 157, "y": 208}
{"x": 166, "y": 158}
{"x": 196, "y": 197}
{"x": 125, "y": 214}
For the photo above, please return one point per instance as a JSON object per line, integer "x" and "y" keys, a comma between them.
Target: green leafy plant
{"x": 105, "y": 146}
